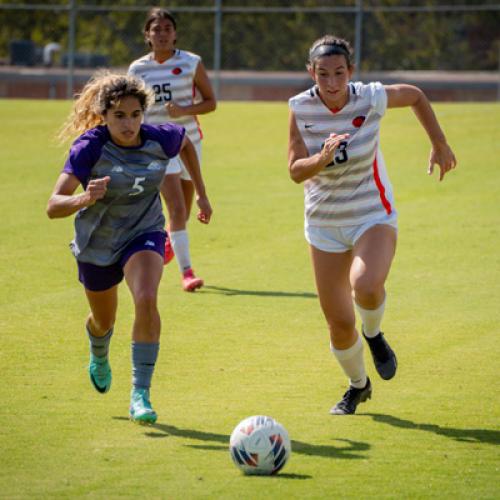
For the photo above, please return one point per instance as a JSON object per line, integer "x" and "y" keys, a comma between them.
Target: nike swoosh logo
{"x": 309, "y": 125}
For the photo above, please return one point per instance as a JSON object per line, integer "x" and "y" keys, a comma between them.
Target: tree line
{"x": 271, "y": 41}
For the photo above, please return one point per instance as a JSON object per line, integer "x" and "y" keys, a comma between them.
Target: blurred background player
{"x": 175, "y": 76}
{"x": 119, "y": 225}
{"x": 350, "y": 219}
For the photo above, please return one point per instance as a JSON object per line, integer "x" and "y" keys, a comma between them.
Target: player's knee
{"x": 341, "y": 328}
{"x": 103, "y": 324}
{"x": 146, "y": 302}
{"x": 367, "y": 289}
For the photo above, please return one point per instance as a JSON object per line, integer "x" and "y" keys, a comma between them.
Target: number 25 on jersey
{"x": 162, "y": 92}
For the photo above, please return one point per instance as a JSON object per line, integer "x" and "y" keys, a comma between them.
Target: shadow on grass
{"x": 464, "y": 435}
{"x": 259, "y": 293}
{"x": 346, "y": 449}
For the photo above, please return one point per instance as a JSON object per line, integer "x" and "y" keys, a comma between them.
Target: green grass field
{"x": 254, "y": 340}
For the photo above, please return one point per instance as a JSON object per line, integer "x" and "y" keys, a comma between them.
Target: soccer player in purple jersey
{"x": 182, "y": 91}
{"x": 350, "y": 220}
{"x": 119, "y": 225}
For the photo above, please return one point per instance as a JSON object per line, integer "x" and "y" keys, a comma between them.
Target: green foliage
{"x": 432, "y": 41}
{"x": 273, "y": 40}
{"x": 254, "y": 340}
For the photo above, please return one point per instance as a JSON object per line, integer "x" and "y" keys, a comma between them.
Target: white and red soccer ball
{"x": 260, "y": 445}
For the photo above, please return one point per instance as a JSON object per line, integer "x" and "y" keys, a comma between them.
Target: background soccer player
{"x": 119, "y": 225}
{"x": 350, "y": 218}
{"x": 175, "y": 76}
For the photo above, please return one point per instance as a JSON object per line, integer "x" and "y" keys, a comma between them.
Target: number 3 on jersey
{"x": 162, "y": 92}
{"x": 340, "y": 155}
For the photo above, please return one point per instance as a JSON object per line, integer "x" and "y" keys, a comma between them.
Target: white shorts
{"x": 339, "y": 239}
{"x": 176, "y": 165}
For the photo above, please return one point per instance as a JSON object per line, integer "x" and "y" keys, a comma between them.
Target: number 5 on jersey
{"x": 137, "y": 186}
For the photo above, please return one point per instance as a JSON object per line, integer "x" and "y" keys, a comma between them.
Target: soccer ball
{"x": 260, "y": 445}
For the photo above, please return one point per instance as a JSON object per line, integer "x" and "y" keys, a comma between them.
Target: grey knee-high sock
{"x": 99, "y": 346}
{"x": 144, "y": 356}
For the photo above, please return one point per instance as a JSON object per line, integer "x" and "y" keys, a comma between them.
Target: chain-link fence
{"x": 68, "y": 36}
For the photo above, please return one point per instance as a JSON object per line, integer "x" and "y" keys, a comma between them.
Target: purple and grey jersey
{"x": 132, "y": 204}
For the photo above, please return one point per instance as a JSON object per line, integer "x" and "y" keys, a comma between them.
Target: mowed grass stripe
{"x": 254, "y": 340}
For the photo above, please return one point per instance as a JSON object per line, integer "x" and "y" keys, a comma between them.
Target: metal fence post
{"x": 358, "y": 39}
{"x": 71, "y": 48}
{"x": 498, "y": 75}
{"x": 217, "y": 46}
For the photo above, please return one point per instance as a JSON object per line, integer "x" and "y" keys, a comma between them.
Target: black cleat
{"x": 347, "y": 405}
{"x": 383, "y": 356}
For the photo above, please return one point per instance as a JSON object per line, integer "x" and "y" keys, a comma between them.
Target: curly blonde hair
{"x": 102, "y": 92}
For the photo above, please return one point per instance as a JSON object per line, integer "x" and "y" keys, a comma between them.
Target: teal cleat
{"x": 140, "y": 407}
{"x": 100, "y": 373}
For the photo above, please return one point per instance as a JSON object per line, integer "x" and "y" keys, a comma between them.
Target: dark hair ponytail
{"x": 329, "y": 45}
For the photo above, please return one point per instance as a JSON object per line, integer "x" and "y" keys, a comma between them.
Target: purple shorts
{"x": 100, "y": 278}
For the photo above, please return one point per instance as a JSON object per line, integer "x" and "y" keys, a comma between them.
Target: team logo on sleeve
{"x": 155, "y": 165}
{"x": 177, "y": 71}
{"x": 358, "y": 121}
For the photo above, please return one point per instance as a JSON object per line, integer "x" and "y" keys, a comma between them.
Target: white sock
{"x": 180, "y": 244}
{"x": 351, "y": 361}
{"x": 371, "y": 318}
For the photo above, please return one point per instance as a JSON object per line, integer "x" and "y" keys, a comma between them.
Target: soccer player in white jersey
{"x": 119, "y": 226}
{"x": 350, "y": 219}
{"x": 175, "y": 76}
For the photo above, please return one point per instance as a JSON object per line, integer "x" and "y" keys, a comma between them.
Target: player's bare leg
{"x": 334, "y": 290}
{"x": 190, "y": 282}
{"x": 172, "y": 194}
{"x": 99, "y": 328}
{"x": 372, "y": 257}
{"x": 188, "y": 193}
{"x": 143, "y": 272}
{"x": 172, "y": 190}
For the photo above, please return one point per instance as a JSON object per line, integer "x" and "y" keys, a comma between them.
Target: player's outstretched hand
{"x": 444, "y": 157}
{"x": 96, "y": 189}
{"x": 205, "y": 212}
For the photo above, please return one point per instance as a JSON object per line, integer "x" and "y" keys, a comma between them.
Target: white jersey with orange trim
{"x": 172, "y": 80}
{"x": 354, "y": 188}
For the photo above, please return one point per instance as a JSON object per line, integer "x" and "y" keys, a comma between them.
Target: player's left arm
{"x": 206, "y": 105}
{"x": 190, "y": 159}
{"x": 403, "y": 95}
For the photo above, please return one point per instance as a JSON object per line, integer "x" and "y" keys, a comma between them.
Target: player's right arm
{"x": 63, "y": 202}
{"x": 301, "y": 166}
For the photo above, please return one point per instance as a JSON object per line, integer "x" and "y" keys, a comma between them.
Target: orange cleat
{"x": 169, "y": 252}
{"x": 190, "y": 282}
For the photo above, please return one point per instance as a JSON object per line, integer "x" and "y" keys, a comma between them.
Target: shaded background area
{"x": 261, "y": 44}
